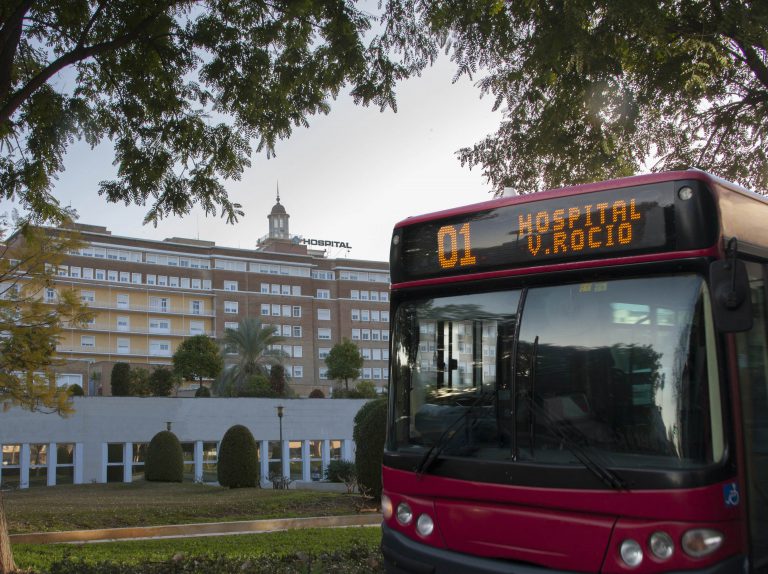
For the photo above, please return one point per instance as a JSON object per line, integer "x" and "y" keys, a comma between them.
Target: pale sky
{"x": 349, "y": 177}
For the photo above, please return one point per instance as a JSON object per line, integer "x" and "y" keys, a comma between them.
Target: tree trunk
{"x": 6, "y": 554}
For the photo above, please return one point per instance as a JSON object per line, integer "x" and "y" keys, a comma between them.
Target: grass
{"x": 314, "y": 545}
{"x": 141, "y": 503}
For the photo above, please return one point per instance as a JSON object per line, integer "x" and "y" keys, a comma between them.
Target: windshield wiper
{"x": 434, "y": 452}
{"x": 605, "y": 474}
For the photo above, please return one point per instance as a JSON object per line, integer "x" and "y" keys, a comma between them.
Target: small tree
{"x": 75, "y": 390}
{"x": 165, "y": 459}
{"x": 140, "y": 382}
{"x": 369, "y": 432}
{"x": 198, "y": 358}
{"x": 121, "y": 380}
{"x": 344, "y": 362}
{"x": 366, "y": 390}
{"x": 278, "y": 380}
{"x": 161, "y": 382}
{"x": 238, "y": 465}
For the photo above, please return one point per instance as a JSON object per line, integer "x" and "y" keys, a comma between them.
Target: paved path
{"x": 206, "y": 529}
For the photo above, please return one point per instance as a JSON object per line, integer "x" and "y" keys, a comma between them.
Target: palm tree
{"x": 247, "y": 351}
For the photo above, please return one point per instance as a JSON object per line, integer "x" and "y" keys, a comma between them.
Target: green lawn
{"x": 310, "y": 550}
{"x": 151, "y": 504}
{"x": 338, "y": 550}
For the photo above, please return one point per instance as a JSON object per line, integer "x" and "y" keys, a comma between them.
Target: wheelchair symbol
{"x": 731, "y": 494}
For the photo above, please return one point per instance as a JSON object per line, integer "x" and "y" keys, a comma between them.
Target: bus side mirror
{"x": 731, "y": 304}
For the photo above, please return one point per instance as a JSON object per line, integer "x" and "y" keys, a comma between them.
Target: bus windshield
{"x": 625, "y": 369}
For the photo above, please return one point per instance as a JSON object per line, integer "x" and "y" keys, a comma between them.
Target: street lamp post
{"x": 280, "y": 409}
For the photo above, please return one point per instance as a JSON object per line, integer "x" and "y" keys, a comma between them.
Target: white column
{"x": 264, "y": 460}
{"x": 24, "y": 463}
{"x": 51, "y": 459}
{"x": 326, "y": 455}
{"x": 286, "y": 452}
{"x": 104, "y": 461}
{"x": 198, "y": 464}
{"x": 79, "y": 462}
{"x": 127, "y": 461}
{"x": 348, "y": 450}
{"x": 305, "y": 461}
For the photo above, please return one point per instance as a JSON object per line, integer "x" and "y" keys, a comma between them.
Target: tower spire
{"x": 278, "y": 192}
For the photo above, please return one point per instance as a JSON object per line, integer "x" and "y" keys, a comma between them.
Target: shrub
{"x": 257, "y": 386}
{"x": 369, "y": 433}
{"x": 238, "y": 465}
{"x": 121, "y": 380}
{"x": 140, "y": 382}
{"x": 278, "y": 380}
{"x": 339, "y": 470}
{"x": 316, "y": 394}
{"x": 75, "y": 390}
{"x": 161, "y": 382}
{"x": 203, "y": 392}
{"x": 165, "y": 459}
{"x": 366, "y": 390}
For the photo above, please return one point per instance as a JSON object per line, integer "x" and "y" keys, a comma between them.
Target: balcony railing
{"x": 110, "y": 351}
{"x": 100, "y": 326}
{"x": 167, "y": 310}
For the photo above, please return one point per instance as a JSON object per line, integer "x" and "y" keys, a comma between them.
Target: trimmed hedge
{"x": 165, "y": 459}
{"x": 238, "y": 465}
{"x": 204, "y": 392}
{"x": 316, "y": 394}
{"x": 369, "y": 434}
{"x": 121, "y": 380}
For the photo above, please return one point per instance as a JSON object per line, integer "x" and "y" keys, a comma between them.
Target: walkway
{"x": 206, "y": 529}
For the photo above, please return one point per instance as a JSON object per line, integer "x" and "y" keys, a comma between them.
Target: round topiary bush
{"x": 238, "y": 465}
{"x": 75, "y": 390}
{"x": 316, "y": 394}
{"x": 369, "y": 434}
{"x": 204, "y": 392}
{"x": 165, "y": 459}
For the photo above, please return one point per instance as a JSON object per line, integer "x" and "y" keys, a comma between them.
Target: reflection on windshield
{"x": 619, "y": 367}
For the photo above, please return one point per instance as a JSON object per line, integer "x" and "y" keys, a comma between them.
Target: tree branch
{"x": 10, "y": 36}
{"x": 76, "y": 55}
{"x": 754, "y": 62}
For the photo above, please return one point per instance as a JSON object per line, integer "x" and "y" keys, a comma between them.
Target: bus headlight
{"x": 404, "y": 514}
{"x": 425, "y": 525}
{"x": 661, "y": 545}
{"x": 386, "y": 507}
{"x": 631, "y": 553}
{"x": 701, "y": 542}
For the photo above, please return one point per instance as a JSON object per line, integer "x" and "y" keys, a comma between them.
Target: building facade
{"x": 149, "y": 295}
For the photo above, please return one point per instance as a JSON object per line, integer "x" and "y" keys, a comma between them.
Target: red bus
{"x": 579, "y": 382}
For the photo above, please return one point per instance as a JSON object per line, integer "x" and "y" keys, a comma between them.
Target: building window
{"x": 298, "y": 371}
{"x": 275, "y": 310}
{"x": 162, "y": 280}
{"x": 112, "y": 276}
{"x": 375, "y": 316}
{"x": 123, "y": 346}
{"x": 196, "y": 284}
{"x": 384, "y": 296}
{"x": 265, "y": 309}
{"x": 158, "y": 325}
{"x": 50, "y": 294}
{"x": 11, "y": 469}
{"x": 324, "y": 334}
{"x": 285, "y": 289}
{"x": 232, "y": 325}
{"x": 159, "y": 348}
{"x": 355, "y": 314}
{"x": 231, "y": 307}
{"x": 173, "y": 281}
{"x": 355, "y": 334}
{"x": 185, "y": 282}
{"x": 286, "y": 310}
{"x": 366, "y": 334}
{"x": 296, "y": 311}
{"x": 87, "y": 296}
{"x": 323, "y": 314}
{"x": 323, "y": 294}
{"x": 296, "y": 290}
{"x": 298, "y": 351}
{"x": 65, "y": 463}
{"x": 123, "y": 323}
{"x": 123, "y": 301}
{"x": 158, "y": 304}
{"x": 297, "y": 331}
{"x": 87, "y": 273}
{"x": 374, "y": 295}
{"x": 74, "y": 272}
{"x": 115, "y": 461}
{"x": 100, "y": 275}
{"x": 323, "y": 373}
{"x": 265, "y": 288}
{"x": 366, "y": 353}
{"x": 136, "y": 278}
{"x": 151, "y": 279}
{"x": 365, "y": 315}
{"x": 275, "y": 289}
{"x": 125, "y": 277}
{"x": 354, "y": 294}
{"x": 363, "y": 295}
{"x": 87, "y": 341}
{"x": 230, "y": 285}
{"x": 367, "y": 373}
{"x": 385, "y": 316}
{"x": 323, "y": 352}
{"x": 196, "y": 307}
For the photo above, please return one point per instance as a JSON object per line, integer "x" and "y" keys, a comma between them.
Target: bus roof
{"x": 619, "y": 183}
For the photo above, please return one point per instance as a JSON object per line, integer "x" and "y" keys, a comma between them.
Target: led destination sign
{"x": 591, "y": 225}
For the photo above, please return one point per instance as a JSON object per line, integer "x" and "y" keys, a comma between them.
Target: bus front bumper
{"x": 405, "y": 556}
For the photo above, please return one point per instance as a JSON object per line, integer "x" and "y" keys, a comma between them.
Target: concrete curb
{"x": 206, "y": 529}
